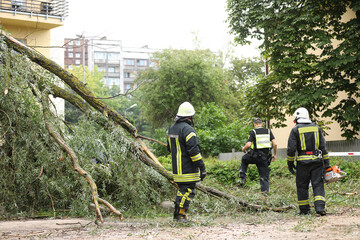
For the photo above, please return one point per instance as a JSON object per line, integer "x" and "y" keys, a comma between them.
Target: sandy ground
{"x": 340, "y": 226}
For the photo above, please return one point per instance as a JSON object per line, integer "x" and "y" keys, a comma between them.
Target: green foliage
{"x": 184, "y": 75}
{"x": 216, "y": 134}
{"x": 226, "y": 172}
{"x": 291, "y": 31}
{"x": 37, "y": 175}
{"x": 245, "y": 70}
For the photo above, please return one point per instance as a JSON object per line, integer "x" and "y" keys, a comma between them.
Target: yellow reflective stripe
{"x": 178, "y": 156}
{"x": 308, "y": 129}
{"x": 306, "y": 157}
{"x": 326, "y": 156}
{"x": 319, "y": 198}
{"x": 289, "y": 158}
{"x": 303, "y": 202}
{"x": 304, "y": 130}
{"x": 190, "y": 135}
{"x": 169, "y": 140}
{"x": 316, "y": 135}
{"x": 302, "y": 141}
{"x": 196, "y": 157}
{"x": 185, "y": 197}
{"x": 190, "y": 177}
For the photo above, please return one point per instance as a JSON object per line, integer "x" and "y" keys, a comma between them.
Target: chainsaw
{"x": 333, "y": 174}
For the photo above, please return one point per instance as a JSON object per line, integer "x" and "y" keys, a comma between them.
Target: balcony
{"x": 46, "y": 8}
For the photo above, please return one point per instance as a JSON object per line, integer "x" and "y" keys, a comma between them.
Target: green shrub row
{"x": 226, "y": 172}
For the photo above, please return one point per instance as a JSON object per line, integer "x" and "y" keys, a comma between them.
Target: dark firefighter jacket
{"x": 186, "y": 158}
{"x": 307, "y": 139}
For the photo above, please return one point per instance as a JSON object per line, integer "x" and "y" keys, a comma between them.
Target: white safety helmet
{"x": 301, "y": 115}
{"x": 186, "y": 110}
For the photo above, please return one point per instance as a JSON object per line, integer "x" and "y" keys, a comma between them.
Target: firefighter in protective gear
{"x": 261, "y": 141}
{"x": 187, "y": 164}
{"x": 312, "y": 159}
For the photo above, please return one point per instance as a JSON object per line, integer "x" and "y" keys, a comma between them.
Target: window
{"x": 70, "y": 67}
{"x": 111, "y": 69}
{"x": 46, "y": 7}
{"x": 77, "y": 61}
{"x": 77, "y": 55}
{"x": 126, "y": 74}
{"x": 114, "y": 56}
{"x": 77, "y": 43}
{"x": 18, "y": 5}
{"x": 129, "y": 62}
{"x": 70, "y": 43}
{"x": 100, "y": 69}
{"x": 128, "y": 86}
{"x": 100, "y": 55}
{"x": 112, "y": 81}
{"x": 141, "y": 62}
{"x": 70, "y": 49}
{"x": 71, "y": 55}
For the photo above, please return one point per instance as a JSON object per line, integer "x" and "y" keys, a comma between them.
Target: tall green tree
{"x": 291, "y": 32}
{"x": 196, "y": 76}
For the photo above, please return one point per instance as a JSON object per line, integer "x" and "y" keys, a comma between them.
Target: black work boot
{"x": 176, "y": 212}
{"x": 304, "y": 212}
{"x": 181, "y": 216}
{"x": 321, "y": 212}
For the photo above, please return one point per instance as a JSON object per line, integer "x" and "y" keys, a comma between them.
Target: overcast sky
{"x": 156, "y": 23}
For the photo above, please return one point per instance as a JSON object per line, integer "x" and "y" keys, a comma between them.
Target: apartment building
{"x": 76, "y": 52}
{"x": 106, "y": 55}
{"x": 134, "y": 61}
{"x": 119, "y": 64}
{"x": 31, "y": 21}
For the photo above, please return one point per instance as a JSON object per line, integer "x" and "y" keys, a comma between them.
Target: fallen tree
{"x": 94, "y": 106}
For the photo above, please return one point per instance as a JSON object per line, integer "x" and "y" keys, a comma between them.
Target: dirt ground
{"x": 345, "y": 225}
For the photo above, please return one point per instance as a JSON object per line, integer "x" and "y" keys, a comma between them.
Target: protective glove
{"x": 202, "y": 174}
{"x": 291, "y": 166}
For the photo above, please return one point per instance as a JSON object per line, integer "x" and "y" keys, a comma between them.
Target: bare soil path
{"x": 342, "y": 226}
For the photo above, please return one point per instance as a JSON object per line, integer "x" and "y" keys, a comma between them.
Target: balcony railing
{"x": 46, "y": 8}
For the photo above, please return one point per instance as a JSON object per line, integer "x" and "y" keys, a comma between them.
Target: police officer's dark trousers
{"x": 262, "y": 164}
{"x": 314, "y": 172}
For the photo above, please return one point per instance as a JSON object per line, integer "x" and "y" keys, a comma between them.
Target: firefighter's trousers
{"x": 184, "y": 195}
{"x": 314, "y": 172}
{"x": 262, "y": 163}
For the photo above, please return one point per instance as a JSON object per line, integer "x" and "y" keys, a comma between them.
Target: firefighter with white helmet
{"x": 312, "y": 159}
{"x": 187, "y": 164}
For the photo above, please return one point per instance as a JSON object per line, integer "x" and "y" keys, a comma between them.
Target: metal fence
{"x": 49, "y": 8}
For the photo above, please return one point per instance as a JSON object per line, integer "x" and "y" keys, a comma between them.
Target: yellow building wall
{"x": 33, "y": 37}
{"x": 34, "y": 31}
{"x": 334, "y": 133}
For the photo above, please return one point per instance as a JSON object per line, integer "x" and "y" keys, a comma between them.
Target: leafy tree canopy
{"x": 314, "y": 56}
{"x": 196, "y": 76}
